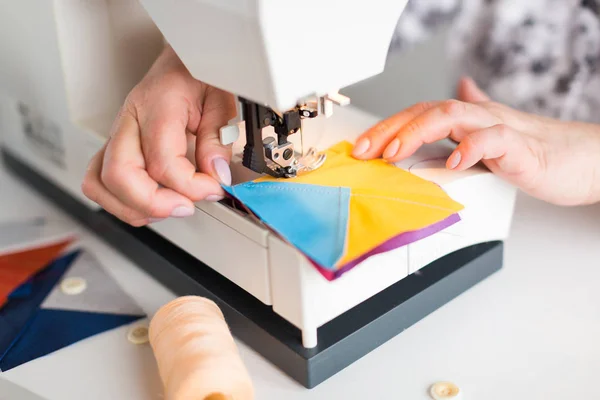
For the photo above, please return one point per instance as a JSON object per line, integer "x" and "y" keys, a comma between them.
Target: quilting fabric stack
{"x": 349, "y": 210}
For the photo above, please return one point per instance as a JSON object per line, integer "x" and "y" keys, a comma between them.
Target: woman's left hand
{"x": 555, "y": 161}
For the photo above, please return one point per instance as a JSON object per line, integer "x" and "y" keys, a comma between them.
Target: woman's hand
{"x": 555, "y": 161}
{"x": 142, "y": 173}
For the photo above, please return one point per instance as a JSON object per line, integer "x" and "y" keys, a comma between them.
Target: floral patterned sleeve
{"x": 422, "y": 18}
{"x": 540, "y": 56}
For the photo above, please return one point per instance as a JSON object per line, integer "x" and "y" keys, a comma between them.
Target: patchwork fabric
{"x": 102, "y": 293}
{"x": 398, "y": 241}
{"x": 52, "y": 330}
{"x": 47, "y": 319}
{"x": 22, "y": 291}
{"x": 387, "y": 208}
{"x": 17, "y": 314}
{"x": 313, "y": 218}
{"x": 17, "y": 268}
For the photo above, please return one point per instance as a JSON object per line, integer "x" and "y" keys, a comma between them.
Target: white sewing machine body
{"x": 292, "y": 285}
{"x": 276, "y": 52}
{"x": 66, "y": 68}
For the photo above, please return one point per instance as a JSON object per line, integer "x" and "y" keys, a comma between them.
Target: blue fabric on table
{"x": 25, "y": 290}
{"x": 52, "y": 330}
{"x": 18, "y": 313}
{"x": 316, "y": 223}
{"x": 46, "y": 320}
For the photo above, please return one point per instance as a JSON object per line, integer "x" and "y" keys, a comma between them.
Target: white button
{"x": 138, "y": 334}
{"x": 73, "y": 286}
{"x": 444, "y": 391}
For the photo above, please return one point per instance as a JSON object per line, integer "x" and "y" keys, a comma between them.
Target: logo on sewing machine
{"x": 43, "y": 135}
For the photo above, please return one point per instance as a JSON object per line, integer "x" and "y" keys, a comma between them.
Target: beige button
{"x": 138, "y": 334}
{"x": 444, "y": 391}
{"x": 73, "y": 285}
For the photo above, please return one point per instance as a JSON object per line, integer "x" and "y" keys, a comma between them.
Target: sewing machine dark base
{"x": 341, "y": 341}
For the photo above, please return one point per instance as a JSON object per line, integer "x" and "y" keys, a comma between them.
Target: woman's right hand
{"x": 142, "y": 174}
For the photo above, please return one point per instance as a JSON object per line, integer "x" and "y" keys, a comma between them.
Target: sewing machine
{"x": 69, "y": 65}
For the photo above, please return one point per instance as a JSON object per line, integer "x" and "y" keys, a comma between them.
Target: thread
{"x": 196, "y": 355}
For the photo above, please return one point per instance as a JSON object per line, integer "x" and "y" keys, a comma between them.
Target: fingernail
{"x": 182, "y": 212}
{"x": 454, "y": 160}
{"x": 222, "y": 169}
{"x": 392, "y": 149}
{"x": 361, "y": 147}
{"x": 214, "y": 198}
{"x": 153, "y": 220}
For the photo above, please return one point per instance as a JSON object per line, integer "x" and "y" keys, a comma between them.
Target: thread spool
{"x": 196, "y": 355}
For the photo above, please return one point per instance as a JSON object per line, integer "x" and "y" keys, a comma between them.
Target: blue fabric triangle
{"x": 24, "y": 290}
{"x": 52, "y": 330}
{"x": 17, "y": 313}
{"x": 312, "y": 218}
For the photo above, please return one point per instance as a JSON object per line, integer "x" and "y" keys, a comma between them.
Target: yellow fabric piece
{"x": 385, "y": 200}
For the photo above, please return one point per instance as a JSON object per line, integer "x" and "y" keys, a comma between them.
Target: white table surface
{"x": 532, "y": 331}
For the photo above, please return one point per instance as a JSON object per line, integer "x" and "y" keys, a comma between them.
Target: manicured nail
{"x": 214, "y": 198}
{"x": 454, "y": 160}
{"x": 392, "y": 149}
{"x": 223, "y": 172}
{"x": 361, "y": 147}
{"x": 182, "y": 212}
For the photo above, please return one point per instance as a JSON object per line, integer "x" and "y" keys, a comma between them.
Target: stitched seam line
{"x": 314, "y": 190}
{"x": 295, "y": 189}
{"x": 403, "y": 201}
{"x": 342, "y": 231}
{"x": 323, "y": 191}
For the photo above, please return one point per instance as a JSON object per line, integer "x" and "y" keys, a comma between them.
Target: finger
{"x": 124, "y": 175}
{"x": 450, "y": 119}
{"x": 469, "y": 91}
{"x": 211, "y": 156}
{"x": 372, "y": 143}
{"x": 94, "y": 190}
{"x": 164, "y": 145}
{"x": 507, "y": 148}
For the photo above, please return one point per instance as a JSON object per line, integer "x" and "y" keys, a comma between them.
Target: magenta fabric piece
{"x": 398, "y": 241}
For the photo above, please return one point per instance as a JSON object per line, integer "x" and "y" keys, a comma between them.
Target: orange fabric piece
{"x": 16, "y": 268}
{"x": 385, "y": 200}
